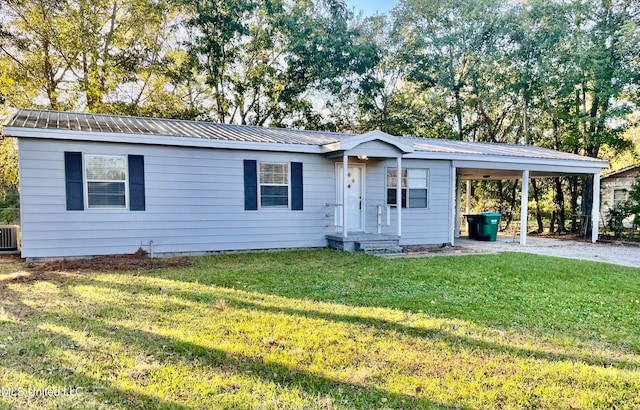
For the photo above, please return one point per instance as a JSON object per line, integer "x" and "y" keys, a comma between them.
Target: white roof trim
{"x": 532, "y": 164}
{"x": 476, "y": 160}
{"x": 352, "y": 142}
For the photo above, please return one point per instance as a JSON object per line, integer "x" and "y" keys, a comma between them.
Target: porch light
{"x": 363, "y": 157}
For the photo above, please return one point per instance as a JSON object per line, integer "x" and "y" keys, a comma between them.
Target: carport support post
{"x": 467, "y": 209}
{"x": 457, "y": 205}
{"x": 399, "y": 196}
{"x": 595, "y": 208}
{"x": 524, "y": 207}
{"x": 345, "y": 183}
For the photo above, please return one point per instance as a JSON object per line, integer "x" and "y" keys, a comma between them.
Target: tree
{"x": 634, "y": 201}
{"x": 33, "y": 68}
{"x": 8, "y": 163}
{"x": 441, "y": 42}
{"x": 263, "y": 60}
{"x": 611, "y": 68}
{"x": 103, "y": 56}
{"x": 9, "y": 200}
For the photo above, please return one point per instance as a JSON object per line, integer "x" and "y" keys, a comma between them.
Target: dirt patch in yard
{"x": 55, "y": 270}
{"x": 25, "y": 276}
{"x": 570, "y": 236}
{"x": 111, "y": 263}
{"x": 417, "y": 250}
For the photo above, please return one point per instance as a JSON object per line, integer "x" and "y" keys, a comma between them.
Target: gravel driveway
{"x": 599, "y": 252}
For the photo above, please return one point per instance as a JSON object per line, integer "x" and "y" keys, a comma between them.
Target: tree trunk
{"x": 512, "y": 205}
{"x": 587, "y": 204}
{"x": 536, "y": 199}
{"x": 459, "y": 113}
{"x": 559, "y": 202}
{"x": 573, "y": 188}
{"x": 587, "y": 192}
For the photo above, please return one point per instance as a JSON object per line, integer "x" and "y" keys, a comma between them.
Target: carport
{"x": 490, "y": 161}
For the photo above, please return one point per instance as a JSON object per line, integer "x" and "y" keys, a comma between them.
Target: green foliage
{"x": 8, "y": 163}
{"x": 634, "y": 201}
{"x": 9, "y": 206}
{"x": 557, "y": 74}
{"x": 9, "y": 197}
{"x": 94, "y": 55}
{"x": 261, "y": 60}
{"x": 616, "y": 217}
{"x": 623, "y": 210}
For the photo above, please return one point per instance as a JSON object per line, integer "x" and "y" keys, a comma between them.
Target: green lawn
{"x": 327, "y": 330}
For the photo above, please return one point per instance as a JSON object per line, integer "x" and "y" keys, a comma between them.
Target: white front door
{"x": 355, "y": 196}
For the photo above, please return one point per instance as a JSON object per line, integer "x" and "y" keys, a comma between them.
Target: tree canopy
{"x": 553, "y": 73}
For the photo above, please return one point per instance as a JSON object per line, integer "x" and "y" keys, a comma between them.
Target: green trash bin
{"x": 473, "y": 226}
{"x": 488, "y": 226}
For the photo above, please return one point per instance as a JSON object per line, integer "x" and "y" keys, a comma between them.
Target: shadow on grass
{"x": 36, "y": 359}
{"x": 170, "y": 351}
{"x": 288, "y": 377}
{"x": 453, "y": 340}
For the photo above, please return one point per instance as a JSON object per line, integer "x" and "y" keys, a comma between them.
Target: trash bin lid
{"x": 492, "y": 214}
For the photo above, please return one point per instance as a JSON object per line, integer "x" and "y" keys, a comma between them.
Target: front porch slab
{"x": 376, "y": 244}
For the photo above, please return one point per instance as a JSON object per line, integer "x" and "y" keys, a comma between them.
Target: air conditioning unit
{"x": 9, "y": 237}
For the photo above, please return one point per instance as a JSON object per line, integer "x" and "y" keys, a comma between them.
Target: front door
{"x": 355, "y": 196}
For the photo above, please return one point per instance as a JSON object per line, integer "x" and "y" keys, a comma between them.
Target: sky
{"x": 369, "y": 7}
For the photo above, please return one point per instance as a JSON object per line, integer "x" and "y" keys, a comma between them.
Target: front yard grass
{"x": 321, "y": 329}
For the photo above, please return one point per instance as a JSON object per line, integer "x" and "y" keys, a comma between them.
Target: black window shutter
{"x": 250, "y": 185}
{"x": 297, "y": 196}
{"x": 73, "y": 181}
{"x": 136, "y": 183}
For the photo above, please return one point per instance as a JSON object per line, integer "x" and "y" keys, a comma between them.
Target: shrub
{"x": 616, "y": 217}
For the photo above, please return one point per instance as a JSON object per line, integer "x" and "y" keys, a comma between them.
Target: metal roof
{"x": 620, "y": 171}
{"x": 493, "y": 149}
{"x": 201, "y": 131}
{"x": 70, "y": 121}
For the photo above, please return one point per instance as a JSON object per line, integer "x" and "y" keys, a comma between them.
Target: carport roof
{"x": 29, "y": 123}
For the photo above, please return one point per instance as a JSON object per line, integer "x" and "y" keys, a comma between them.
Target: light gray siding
{"x": 194, "y": 203}
{"x": 420, "y": 226}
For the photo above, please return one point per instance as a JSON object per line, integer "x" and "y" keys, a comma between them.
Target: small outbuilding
{"x": 615, "y": 186}
{"x": 102, "y": 184}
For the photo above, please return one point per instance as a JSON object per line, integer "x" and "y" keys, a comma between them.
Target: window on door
{"x": 415, "y": 187}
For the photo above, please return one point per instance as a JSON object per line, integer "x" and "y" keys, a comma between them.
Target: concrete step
{"x": 376, "y": 244}
{"x": 384, "y": 247}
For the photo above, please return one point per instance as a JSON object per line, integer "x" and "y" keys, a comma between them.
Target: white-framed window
{"x": 273, "y": 180}
{"x": 619, "y": 196}
{"x": 415, "y": 187}
{"x": 106, "y": 181}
